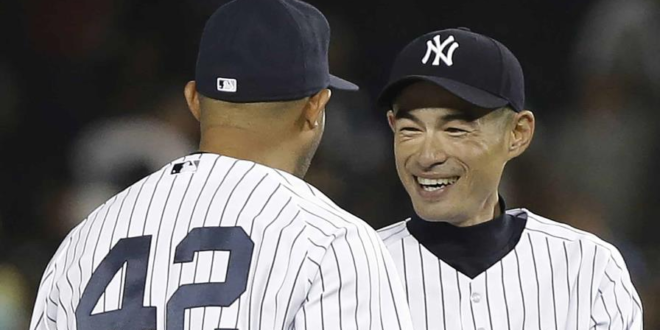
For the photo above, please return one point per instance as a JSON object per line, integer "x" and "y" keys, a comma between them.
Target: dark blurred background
{"x": 91, "y": 100}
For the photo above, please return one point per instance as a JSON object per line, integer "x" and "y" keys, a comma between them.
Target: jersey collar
{"x": 470, "y": 250}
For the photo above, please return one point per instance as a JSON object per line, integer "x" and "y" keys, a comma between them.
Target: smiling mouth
{"x": 435, "y": 184}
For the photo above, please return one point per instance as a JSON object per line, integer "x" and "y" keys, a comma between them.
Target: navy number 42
{"x": 134, "y": 252}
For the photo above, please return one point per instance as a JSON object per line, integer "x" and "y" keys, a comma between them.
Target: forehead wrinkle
{"x": 410, "y": 113}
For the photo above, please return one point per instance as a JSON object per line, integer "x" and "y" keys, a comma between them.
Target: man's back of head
{"x": 262, "y": 82}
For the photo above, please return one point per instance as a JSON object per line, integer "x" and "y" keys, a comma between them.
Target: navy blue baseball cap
{"x": 474, "y": 67}
{"x": 265, "y": 50}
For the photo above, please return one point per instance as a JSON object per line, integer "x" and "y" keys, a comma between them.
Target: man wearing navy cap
{"x": 456, "y": 105}
{"x": 231, "y": 237}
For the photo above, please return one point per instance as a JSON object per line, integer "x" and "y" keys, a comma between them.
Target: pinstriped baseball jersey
{"x": 211, "y": 242}
{"x": 555, "y": 277}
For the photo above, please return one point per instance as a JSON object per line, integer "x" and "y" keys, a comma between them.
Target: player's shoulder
{"x": 221, "y": 170}
{"x": 394, "y": 232}
{"x": 540, "y": 226}
{"x": 316, "y": 209}
{"x": 202, "y": 164}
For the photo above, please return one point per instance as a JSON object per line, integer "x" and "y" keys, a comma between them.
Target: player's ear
{"x": 192, "y": 97}
{"x": 522, "y": 132}
{"x": 391, "y": 119}
{"x": 314, "y": 108}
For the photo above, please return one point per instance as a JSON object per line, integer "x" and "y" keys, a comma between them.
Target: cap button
{"x": 464, "y": 29}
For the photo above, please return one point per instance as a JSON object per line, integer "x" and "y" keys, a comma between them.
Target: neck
{"x": 270, "y": 149}
{"x": 489, "y": 210}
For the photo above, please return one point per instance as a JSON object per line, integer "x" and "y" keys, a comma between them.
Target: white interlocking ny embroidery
{"x": 438, "y": 48}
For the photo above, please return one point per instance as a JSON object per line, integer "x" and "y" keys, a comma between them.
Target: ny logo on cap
{"x": 438, "y": 48}
{"x": 227, "y": 85}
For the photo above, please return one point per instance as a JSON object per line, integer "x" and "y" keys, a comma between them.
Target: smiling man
{"x": 456, "y": 107}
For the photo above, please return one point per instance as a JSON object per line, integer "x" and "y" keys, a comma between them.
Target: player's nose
{"x": 430, "y": 154}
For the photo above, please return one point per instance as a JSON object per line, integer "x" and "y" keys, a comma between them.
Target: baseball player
{"x": 231, "y": 237}
{"x": 456, "y": 107}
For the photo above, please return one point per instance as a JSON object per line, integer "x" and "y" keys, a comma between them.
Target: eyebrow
{"x": 404, "y": 114}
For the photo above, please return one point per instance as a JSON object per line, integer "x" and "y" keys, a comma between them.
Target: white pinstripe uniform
{"x": 211, "y": 242}
{"x": 556, "y": 277}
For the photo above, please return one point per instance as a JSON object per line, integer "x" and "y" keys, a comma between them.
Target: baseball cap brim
{"x": 468, "y": 93}
{"x": 338, "y": 83}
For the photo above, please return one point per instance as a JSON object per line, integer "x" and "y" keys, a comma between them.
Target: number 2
{"x": 134, "y": 251}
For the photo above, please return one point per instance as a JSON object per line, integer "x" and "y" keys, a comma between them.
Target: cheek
{"x": 485, "y": 163}
{"x": 474, "y": 153}
{"x": 403, "y": 150}
{"x": 472, "y": 157}
{"x": 402, "y": 155}
{"x": 398, "y": 155}
{"x": 490, "y": 155}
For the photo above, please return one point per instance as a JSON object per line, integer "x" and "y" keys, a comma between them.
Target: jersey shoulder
{"x": 313, "y": 206}
{"x": 316, "y": 209}
{"x": 394, "y": 232}
{"x": 539, "y": 225}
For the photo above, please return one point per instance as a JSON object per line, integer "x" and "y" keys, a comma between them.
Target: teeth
{"x": 431, "y": 188}
{"x": 436, "y": 182}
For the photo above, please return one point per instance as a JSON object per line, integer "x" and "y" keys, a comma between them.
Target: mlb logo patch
{"x": 227, "y": 85}
{"x": 185, "y": 167}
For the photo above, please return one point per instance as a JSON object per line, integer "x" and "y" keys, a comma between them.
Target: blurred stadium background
{"x": 91, "y": 100}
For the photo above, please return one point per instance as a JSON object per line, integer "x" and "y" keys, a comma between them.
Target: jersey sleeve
{"x": 356, "y": 287}
{"x": 616, "y": 304}
{"x": 44, "y": 315}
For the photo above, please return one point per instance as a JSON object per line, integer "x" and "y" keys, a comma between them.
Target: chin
{"x": 435, "y": 213}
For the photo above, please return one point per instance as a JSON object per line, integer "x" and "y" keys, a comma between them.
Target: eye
{"x": 411, "y": 129}
{"x": 455, "y": 131}
{"x": 408, "y": 126}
